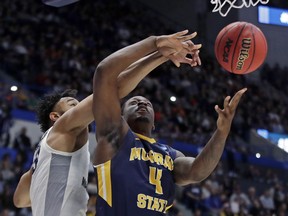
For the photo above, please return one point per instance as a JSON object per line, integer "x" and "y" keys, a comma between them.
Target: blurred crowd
{"x": 45, "y": 49}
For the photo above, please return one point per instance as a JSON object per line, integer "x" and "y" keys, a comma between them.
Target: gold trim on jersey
{"x": 104, "y": 181}
{"x": 148, "y": 139}
{"x": 168, "y": 207}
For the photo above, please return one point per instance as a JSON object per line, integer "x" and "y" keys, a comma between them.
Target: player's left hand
{"x": 226, "y": 115}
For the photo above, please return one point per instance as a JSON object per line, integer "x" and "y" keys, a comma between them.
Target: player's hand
{"x": 193, "y": 52}
{"x": 226, "y": 115}
{"x": 177, "y": 46}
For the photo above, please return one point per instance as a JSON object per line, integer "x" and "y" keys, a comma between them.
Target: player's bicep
{"x": 183, "y": 173}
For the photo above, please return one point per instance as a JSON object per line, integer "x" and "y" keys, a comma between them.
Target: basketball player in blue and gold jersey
{"x": 136, "y": 175}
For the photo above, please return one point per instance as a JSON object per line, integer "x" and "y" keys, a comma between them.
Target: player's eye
{"x": 133, "y": 102}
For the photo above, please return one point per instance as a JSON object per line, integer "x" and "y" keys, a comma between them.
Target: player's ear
{"x": 54, "y": 116}
{"x": 153, "y": 127}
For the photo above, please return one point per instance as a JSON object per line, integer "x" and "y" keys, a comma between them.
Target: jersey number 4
{"x": 155, "y": 179}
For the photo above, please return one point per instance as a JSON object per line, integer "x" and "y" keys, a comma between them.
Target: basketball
{"x": 240, "y": 48}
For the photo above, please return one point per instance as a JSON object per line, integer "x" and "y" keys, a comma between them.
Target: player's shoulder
{"x": 171, "y": 151}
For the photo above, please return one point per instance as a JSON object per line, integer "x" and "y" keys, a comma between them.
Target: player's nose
{"x": 145, "y": 103}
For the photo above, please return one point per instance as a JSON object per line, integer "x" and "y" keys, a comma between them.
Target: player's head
{"x": 53, "y": 105}
{"x": 139, "y": 113}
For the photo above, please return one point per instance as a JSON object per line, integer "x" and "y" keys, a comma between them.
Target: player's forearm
{"x": 124, "y": 57}
{"x": 131, "y": 77}
{"x": 207, "y": 160}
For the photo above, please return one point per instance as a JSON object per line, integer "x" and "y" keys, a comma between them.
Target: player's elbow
{"x": 197, "y": 178}
{"x": 189, "y": 179}
{"x": 99, "y": 72}
{"x": 103, "y": 69}
{"x": 20, "y": 203}
{"x": 17, "y": 201}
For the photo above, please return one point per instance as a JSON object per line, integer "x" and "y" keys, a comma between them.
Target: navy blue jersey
{"x": 138, "y": 181}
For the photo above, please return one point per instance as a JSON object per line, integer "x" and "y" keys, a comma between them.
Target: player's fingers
{"x": 226, "y": 102}
{"x": 218, "y": 110}
{"x": 196, "y": 46}
{"x": 189, "y": 42}
{"x": 167, "y": 51}
{"x": 186, "y": 46}
{"x": 187, "y": 37}
{"x": 181, "y": 33}
{"x": 187, "y": 60}
{"x": 174, "y": 59}
{"x": 195, "y": 56}
{"x": 199, "y": 60}
{"x": 236, "y": 98}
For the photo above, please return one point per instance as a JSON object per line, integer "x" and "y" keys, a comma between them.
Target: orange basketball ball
{"x": 240, "y": 47}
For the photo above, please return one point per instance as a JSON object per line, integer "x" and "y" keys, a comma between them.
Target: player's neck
{"x": 145, "y": 132}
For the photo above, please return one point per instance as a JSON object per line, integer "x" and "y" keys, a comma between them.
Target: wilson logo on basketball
{"x": 227, "y": 50}
{"x": 244, "y": 53}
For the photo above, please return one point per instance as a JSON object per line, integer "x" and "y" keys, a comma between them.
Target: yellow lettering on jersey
{"x": 150, "y": 200}
{"x": 144, "y": 154}
{"x": 158, "y": 158}
{"x": 153, "y": 157}
{"x": 163, "y": 204}
{"x": 155, "y": 205}
{"x": 151, "y": 203}
{"x": 135, "y": 154}
{"x": 168, "y": 163}
{"x": 141, "y": 203}
{"x": 155, "y": 179}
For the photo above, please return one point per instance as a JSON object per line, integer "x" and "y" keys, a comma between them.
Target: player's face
{"x": 140, "y": 109}
{"x": 65, "y": 104}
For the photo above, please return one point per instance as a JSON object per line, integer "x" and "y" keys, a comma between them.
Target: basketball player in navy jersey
{"x": 136, "y": 175}
{"x": 55, "y": 184}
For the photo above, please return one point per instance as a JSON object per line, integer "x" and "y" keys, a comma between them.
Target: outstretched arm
{"x": 21, "y": 196}
{"x": 189, "y": 170}
{"x": 106, "y": 102}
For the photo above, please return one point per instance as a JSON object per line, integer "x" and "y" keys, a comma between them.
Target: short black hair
{"x": 123, "y": 103}
{"x": 46, "y": 104}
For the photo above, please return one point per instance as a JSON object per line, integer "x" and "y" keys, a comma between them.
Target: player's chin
{"x": 143, "y": 118}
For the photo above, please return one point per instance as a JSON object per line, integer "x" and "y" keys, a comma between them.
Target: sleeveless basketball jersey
{"x": 138, "y": 181}
{"x": 59, "y": 180}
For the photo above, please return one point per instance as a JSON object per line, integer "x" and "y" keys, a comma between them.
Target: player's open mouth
{"x": 142, "y": 109}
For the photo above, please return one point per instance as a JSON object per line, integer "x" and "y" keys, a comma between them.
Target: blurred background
{"x": 43, "y": 49}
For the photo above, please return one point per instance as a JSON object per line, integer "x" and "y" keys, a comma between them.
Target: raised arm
{"x": 190, "y": 170}
{"x": 106, "y": 102}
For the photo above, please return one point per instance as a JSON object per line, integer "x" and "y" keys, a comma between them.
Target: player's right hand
{"x": 177, "y": 46}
